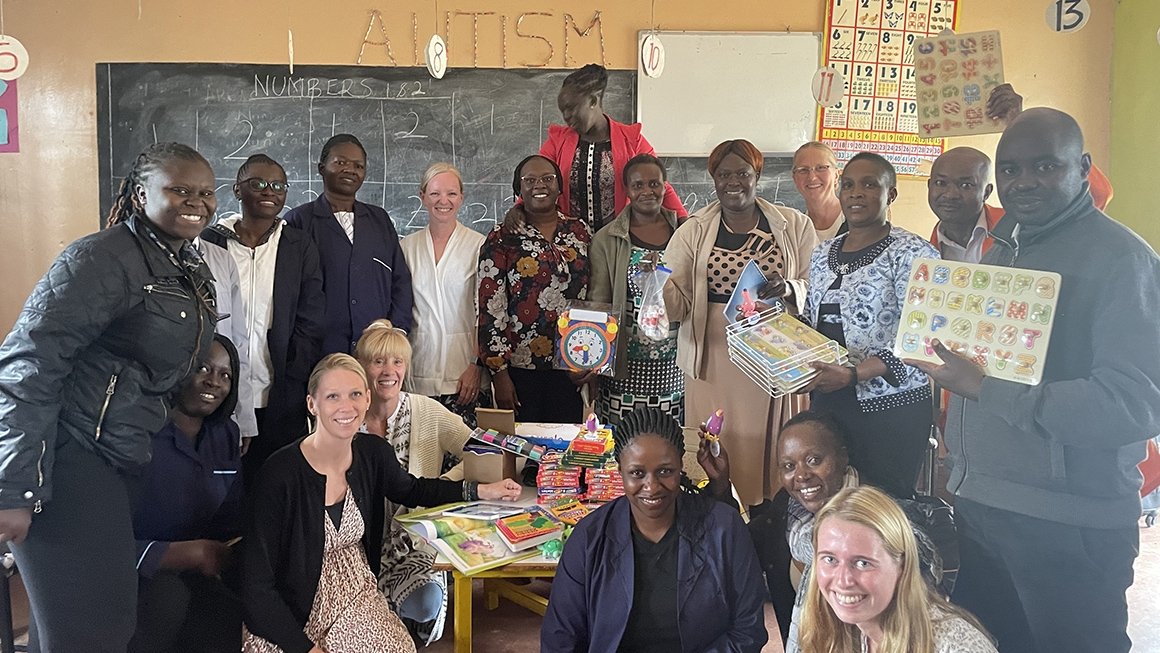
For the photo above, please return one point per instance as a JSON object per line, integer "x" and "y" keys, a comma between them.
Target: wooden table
{"x": 496, "y": 583}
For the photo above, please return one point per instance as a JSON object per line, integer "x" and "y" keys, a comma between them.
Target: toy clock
{"x": 587, "y": 340}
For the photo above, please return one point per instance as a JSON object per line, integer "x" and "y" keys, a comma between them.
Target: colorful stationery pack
{"x": 528, "y": 529}
{"x": 999, "y": 317}
{"x": 510, "y": 443}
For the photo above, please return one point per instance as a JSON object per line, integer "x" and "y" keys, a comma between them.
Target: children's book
{"x": 471, "y": 545}
{"x": 529, "y": 529}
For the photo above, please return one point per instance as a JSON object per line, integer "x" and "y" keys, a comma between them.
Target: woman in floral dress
{"x": 530, "y": 268}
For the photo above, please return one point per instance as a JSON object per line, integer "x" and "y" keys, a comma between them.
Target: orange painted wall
{"x": 48, "y": 192}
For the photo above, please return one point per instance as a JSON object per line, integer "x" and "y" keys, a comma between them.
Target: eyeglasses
{"x": 805, "y": 170}
{"x": 729, "y": 175}
{"x": 257, "y": 184}
{"x": 543, "y": 179}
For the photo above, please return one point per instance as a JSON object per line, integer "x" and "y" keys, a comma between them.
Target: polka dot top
{"x": 732, "y": 251}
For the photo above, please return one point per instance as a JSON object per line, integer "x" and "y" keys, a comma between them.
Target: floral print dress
{"x": 525, "y": 282}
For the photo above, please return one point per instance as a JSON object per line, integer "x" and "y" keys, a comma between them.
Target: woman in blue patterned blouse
{"x": 856, "y": 294}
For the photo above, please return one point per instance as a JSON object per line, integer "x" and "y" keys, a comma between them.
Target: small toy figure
{"x": 552, "y": 549}
{"x": 713, "y": 431}
{"x": 748, "y": 307}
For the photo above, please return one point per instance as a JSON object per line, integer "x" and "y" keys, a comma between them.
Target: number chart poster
{"x": 872, "y": 43}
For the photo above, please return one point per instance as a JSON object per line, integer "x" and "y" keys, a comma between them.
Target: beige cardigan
{"x": 434, "y": 431}
{"x": 687, "y": 290}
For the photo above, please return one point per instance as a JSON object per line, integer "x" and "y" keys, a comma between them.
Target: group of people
{"x": 207, "y": 429}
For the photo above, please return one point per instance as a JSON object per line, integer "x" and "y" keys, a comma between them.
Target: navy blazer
{"x": 721, "y": 597}
{"x": 363, "y": 281}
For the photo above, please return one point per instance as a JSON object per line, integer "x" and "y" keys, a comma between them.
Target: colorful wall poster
{"x": 9, "y": 117}
{"x": 872, "y": 43}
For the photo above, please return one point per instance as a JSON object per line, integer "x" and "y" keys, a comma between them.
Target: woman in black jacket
{"x": 119, "y": 319}
{"x": 313, "y": 540}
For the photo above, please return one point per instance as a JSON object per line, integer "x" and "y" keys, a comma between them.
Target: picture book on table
{"x": 529, "y": 529}
{"x": 470, "y": 545}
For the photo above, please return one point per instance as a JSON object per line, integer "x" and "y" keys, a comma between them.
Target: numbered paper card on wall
{"x": 999, "y": 317}
{"x": 955, "y": 75}
{"x": 652, "y": 56}
{"x": 13, "y": 58}
{"x": 1068, "y": 15}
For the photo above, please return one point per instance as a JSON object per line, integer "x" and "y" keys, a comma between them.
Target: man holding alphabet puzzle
{"x": 1045, "y": 476}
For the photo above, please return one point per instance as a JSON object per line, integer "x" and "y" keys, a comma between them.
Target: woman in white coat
{"x": 443, "y": 258}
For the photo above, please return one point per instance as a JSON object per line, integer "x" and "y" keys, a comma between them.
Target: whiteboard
{"x": 722, "y": 85}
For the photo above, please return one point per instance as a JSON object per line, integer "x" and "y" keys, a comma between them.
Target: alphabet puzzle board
{"x": 956, "y": 74}
{"x": 872, "y": 43}
{"x": 999, "y": 317}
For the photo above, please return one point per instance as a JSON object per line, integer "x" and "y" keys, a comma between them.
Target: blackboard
{"x": 482, "y": 120}
{"x": 690, "y": 179}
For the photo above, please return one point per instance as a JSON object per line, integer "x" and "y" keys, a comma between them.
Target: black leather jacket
{"x": 112, "y": 327}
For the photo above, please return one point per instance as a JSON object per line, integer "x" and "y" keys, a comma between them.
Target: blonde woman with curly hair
{"x": 867, "y": 593}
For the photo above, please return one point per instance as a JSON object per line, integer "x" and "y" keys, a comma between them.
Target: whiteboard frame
{"x": 764, "y": 93}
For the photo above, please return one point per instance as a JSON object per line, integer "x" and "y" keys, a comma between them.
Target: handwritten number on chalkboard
{"x": 403, "y": 90}
{"x": 483, "y": 216}
{"x": 232, "y": 155}
{"x": 411, "y": 224}
{"x": 1072, "y": 9}
{"x": 410, "y": 134}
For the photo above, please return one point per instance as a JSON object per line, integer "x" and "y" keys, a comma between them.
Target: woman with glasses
{"x": 707, "y": 254}
{"x": 816, "y": 175}
{"x": 364, "y": 274}
{"x": 121, "y": 317}
{"x": 529, "y": 269}
{"x": 281, "y": 288}
{"x": 592, "y": 148}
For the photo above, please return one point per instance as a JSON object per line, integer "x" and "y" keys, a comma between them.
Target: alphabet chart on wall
{"x": 872, "y": 43}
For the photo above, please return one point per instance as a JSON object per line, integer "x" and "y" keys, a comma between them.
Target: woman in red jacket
{"x": 592, "y": 148}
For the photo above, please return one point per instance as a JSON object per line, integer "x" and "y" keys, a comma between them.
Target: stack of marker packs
{"x": 604, "y": 484}
{"x": 590, "y": 448}
{"x": 555, "y": 480}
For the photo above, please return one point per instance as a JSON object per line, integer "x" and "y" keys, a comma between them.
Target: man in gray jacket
{"x": 1045, "y": 476}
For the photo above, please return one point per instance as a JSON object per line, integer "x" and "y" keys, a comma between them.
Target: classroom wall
{"x": 48, "y": 192}
{"x": 1135, "y": 135}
